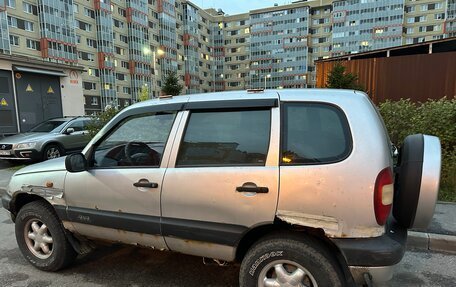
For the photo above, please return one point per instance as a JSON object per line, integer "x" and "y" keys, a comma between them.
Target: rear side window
{"x": 314, "y": 133}
{"x": 226, "y": 138}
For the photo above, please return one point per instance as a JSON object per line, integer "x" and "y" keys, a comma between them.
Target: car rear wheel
{"x": 289, "y": 261}
{"x": 52, "y": 151}
{"x": 417, "y": 181}
{"x": 41, "y": 237}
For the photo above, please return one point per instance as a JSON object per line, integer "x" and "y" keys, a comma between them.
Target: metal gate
{"x": 7, "y": 110}
{"x": 38, "y": 98}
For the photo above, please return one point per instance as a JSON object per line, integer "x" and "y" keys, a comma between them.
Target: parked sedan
{"x": 50, "y": 139}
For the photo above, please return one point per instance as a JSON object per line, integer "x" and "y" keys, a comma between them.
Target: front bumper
{"x": 26, "y": 154}
{"x": 375, "y": 256}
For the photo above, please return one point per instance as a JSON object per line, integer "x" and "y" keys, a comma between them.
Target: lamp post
{"x": 265, "y": 78}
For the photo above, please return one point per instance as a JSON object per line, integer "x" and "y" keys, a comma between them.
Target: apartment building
{"x": 126, "y": 48}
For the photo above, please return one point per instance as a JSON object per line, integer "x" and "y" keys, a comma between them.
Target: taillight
{"x": 383, "y": 195}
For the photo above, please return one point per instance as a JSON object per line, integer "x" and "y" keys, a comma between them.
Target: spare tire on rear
{"x": 417, "y": 181}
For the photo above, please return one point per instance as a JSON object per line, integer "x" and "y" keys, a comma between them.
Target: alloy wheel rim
{"x": 53, "y": 153}
{"x": 285, "y": 273}
{"x": 38, "y": 238}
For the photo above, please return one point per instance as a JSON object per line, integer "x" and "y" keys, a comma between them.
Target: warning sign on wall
{"x": 3, "y": 103}
{"x": 29, "y": 88}
{"x": 50, "y": 90}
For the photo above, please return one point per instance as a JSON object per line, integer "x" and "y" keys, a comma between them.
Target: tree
{"x": 100, "y": 120}
{"x": 171, "y": 85}
{"x": 144, "y": 93}
{"x": 340, "y": 79}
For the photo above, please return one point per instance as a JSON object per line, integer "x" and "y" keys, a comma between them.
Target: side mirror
{"x": 69, "y": 131}
{"x": 76, "y": 162}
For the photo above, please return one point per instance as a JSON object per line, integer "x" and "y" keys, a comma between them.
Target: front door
{"x": 222, "y": 179}
{"x": 78, "y": 139}
{"x": 118, "y": 198}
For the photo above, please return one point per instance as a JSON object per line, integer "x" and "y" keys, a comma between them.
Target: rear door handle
{"x": 252, "y": 187}
{"x": 145, "y": 183}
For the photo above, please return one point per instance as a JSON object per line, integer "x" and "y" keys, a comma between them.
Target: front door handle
{"x": 252, "y": 187}
{"x": 145, "y": 183}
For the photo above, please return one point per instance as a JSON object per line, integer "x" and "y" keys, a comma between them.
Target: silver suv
{"x": 296, "y": 185}
{"x": 49, "y": 139}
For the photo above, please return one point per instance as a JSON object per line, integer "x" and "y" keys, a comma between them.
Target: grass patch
{"x": 447, "y": 193}
{"x": 17, "y": 167}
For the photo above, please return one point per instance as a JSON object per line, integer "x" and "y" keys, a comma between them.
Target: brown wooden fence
{"x": 418, "y": 77}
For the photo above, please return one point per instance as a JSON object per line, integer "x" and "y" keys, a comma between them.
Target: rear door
{"x": 222, "y": 178}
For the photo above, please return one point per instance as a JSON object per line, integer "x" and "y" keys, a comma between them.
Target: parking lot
{"x": 133, "y": 266}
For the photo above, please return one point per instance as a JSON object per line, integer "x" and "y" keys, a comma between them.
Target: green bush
{"x": 100, "y": 120}
{"x": 434, "y": 117}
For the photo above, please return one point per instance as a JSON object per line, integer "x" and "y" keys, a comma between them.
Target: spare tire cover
{"x": 417, "y": 181}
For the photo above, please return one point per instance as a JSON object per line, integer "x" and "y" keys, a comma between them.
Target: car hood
{"x": 24, "y": 137}
{"x": 57, "y": 164}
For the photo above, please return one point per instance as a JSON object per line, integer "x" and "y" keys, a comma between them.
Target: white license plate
{"x": 5, "y": 152}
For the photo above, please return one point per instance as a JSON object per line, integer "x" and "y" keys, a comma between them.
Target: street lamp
{"x": 265, "y": 78}
{"x": 160, "y": 52}
{"x": 146, "y": 51}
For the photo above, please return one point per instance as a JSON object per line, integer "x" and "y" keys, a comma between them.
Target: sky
{"x": 233, "y": 7}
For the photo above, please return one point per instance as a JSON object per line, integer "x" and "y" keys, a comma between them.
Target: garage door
{"x": 38, "y": 98}
{"x": 7, "y": 111}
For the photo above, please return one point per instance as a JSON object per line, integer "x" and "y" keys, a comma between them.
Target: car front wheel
{"x": 52, "y": 151}
{"x": 41, "y": 237}
{"x": 289, "y": 261}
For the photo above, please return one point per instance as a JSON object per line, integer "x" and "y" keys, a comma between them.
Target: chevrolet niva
{"x": 298, "y": 186}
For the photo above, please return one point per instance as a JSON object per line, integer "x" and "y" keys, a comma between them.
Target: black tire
{"x": 52, "y": 151}
{"x": 61, "y": 253}
{"x": 301, "y": 250}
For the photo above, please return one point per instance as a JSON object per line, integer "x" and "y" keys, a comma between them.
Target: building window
{"x": 121, "y": 11}
{"x": 29, "y": 8}
{"x": 91, "y": 43}
{"x": 75, "y": 8}
{"x": 12, "y": 21}
{"x": 34, "y": 45}
{"x": 14, "y": 40}
{"x": 89, "y": 86}
{"x": 123, "y": 38}
{"x": 89, "y": 13}
{"x": 94, "y": 101}
{"x": 120, "y": 77}
{"x": 28, "y": 26}
{"x": 85, "y": 56}
{"x": 11, "y": 3}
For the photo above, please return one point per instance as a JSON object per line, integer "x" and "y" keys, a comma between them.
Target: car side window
{"x": 225, "y": 138}
{"x": 77, "y": 125}
{"x": 136, "y": 141}
{"x": 314, "y": 133}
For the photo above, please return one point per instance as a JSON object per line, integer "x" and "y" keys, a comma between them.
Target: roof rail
{"x": 255, "y": 90}
{"x": 165, "y": 96}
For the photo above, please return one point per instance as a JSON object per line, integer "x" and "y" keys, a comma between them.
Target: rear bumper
{"x": 375, "y": 256}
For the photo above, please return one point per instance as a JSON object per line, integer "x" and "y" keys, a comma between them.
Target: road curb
{"x": 431, "y": 241}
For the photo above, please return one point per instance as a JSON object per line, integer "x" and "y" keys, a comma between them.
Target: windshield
{"x": 49, "y": 126}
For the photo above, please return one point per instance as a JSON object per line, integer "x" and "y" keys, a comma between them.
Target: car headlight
{"x": 25, "y": 145}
